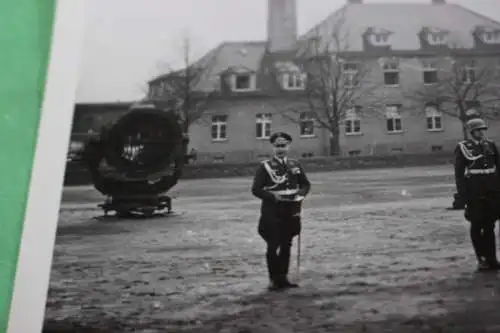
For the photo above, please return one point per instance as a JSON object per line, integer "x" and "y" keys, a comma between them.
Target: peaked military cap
{"x": 280, "y": 138}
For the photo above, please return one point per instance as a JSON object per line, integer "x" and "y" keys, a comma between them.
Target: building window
{"x": 243, "y": 82}
{"x": 437, "y": 37}
{"x": 393, "y": 119}
{"x": 391, "y": 73}
{"x": 306, "y": 123}
{"x": 263, "y": 126}
{"x": 379, "y": 38}
{"x": 219, "y": 127}
{"x": 491, "y": 36}
{"x": 429, "y": 73}
{"x": 354, "y": 152}
{"x": 436, "y": 148}
{"x": 307, "y": 155}
{"x": 469, "y": 72}
{"x": 154, "y": 90}
{"x": 434, "y": 119}
{"x": 352, "y": 121}
{"x": 218, "y": 158}
{"x": 349, "y": 72}
{"x": 293, "y": 81}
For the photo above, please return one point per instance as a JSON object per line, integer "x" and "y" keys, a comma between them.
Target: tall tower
{"x": 281, "y": 25}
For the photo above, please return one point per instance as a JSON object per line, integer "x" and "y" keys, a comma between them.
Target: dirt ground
{"x": 380, "y": 253}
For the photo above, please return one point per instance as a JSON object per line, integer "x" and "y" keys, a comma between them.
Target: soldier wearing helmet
{"x": 477, "y": 176}
{"x": 281, "y": 184}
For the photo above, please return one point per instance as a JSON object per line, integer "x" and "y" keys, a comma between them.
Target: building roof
{"x": 403, "y": 20}
{"x": 227, "y": 56}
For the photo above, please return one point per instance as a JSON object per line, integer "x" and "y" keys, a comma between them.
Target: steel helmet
{"x": 476, "y": 124}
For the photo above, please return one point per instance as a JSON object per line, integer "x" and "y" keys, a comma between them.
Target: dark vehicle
{"x": 137, "y": 160}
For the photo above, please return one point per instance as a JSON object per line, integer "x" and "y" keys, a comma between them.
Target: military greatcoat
{"x": 280, "y": 220}
{"x": 477, "y": 177}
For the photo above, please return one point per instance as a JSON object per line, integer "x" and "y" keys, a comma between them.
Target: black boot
{"x": 284, "y": 259}
{"x": 476, "y": 236}
{"x": 490, "y": 248}
{"x": 272, "y": 260}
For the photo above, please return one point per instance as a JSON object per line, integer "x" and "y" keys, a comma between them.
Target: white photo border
{"x": 27, "y": 308}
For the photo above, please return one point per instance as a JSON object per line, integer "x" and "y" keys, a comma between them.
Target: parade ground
{"x": 380, "y": 253}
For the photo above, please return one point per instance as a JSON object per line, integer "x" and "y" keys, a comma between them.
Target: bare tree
{"x": 338, "y": 85}
{"x": 179, "y": 88}
{"x": 460, "y": 85}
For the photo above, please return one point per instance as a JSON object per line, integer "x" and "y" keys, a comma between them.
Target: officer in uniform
{"x": 281, "y": 184}
{"x": 477, "y": 176}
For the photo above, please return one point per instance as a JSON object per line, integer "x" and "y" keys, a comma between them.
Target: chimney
{"x": 281, "y": 25}
{"x": 438, "y": 2}
{"x": 352, "y": 2}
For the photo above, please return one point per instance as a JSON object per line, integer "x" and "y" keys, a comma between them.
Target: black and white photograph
{"x": 282, "y": 166}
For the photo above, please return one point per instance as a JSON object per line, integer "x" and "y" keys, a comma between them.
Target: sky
{"x": 127, "y": 42}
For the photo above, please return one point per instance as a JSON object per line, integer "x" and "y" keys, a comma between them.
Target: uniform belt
{"x": 481, "y": 171}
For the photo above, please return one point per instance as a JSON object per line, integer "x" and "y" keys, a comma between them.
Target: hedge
{"x": 76, "y": 174}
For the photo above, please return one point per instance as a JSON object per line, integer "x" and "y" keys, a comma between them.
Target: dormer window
{"x": 379, "y": 37}
{"x": 162, "y": 87}
{"x": 239, "y": 79}
{"x": 292, "y": 78}
{"x": 243, "y": 82}
{"x": 293, "y": 81}
{"x": 490, "y": 35}
{"x": 155, "y": 90}
{"x": 437, "y": 38}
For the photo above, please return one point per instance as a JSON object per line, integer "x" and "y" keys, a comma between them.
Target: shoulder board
{"x": 491, "y": 143}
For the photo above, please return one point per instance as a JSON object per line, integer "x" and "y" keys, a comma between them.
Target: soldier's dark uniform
{"x": 477, "y": 176}
{"x": 280, "y": 221}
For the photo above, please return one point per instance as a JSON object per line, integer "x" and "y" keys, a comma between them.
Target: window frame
{"x": 251, "y": 82}
{"x": 391, "y": 67}
{"x": 350, "y": 75}
{"x": 431, "y": 114}
{"x": 392, "y": 116}
{"x": 263, "y": 122}
{"x": 295, "y": 77}
{"x": 307, "y": 117}
{"x": 469, "y": 72}
{"x": 219, "y": 122}
{"x": 430, "y": 67}
{"x": 352, "y": 118}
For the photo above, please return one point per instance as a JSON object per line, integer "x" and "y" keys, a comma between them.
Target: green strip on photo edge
{"x": 40, "y": 42}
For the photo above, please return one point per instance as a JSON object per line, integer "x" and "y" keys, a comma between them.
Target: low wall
{"x": 76, "y": 174}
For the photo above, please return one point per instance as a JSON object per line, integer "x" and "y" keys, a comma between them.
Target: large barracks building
{"x": 403, "y": 45}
